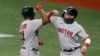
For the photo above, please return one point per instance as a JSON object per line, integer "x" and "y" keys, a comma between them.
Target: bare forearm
{"x": 43, "y": 14}
{"x": 44, "y": 17}
{"x": 85, "y": 45}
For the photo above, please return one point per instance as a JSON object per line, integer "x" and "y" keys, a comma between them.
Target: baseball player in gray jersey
{"x": 69, "y": 31}
{"x": 28, "y": 30}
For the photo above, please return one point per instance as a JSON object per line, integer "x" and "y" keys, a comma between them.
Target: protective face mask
{"x": 68, "y": 20}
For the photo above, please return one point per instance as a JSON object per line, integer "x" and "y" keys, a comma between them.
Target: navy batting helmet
{"x": 28, "y": 12}
{"x": 71, "y": 11}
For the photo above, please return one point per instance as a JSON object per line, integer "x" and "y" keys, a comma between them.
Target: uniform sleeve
{"x": 36, "y": 24}
{"x": 53, "y": 20}
{"x": 39, "y": 23}
{"x": 82, "y": 33}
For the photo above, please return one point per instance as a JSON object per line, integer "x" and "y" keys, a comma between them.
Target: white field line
{"x": 6, "y": 35}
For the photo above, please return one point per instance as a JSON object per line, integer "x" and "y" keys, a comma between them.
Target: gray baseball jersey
{"x": 68, "y": 33}
{"x": 28, "y": 33}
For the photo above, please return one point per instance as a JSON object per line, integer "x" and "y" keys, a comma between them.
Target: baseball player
{"x": 29, "y": 31}
{"x": 69, "y": 31}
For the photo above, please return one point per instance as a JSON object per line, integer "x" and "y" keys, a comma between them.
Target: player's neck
{"x": 28, "y": 19}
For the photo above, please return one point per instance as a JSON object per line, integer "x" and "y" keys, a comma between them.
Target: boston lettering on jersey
{"x": 65, "y": 31}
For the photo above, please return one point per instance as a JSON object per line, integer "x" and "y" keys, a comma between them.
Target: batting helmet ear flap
{"x": 62, "y": 14}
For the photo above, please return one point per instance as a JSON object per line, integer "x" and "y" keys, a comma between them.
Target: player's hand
{"x": 38, "y": 7}
{"x": 40, "y": 42}
{"x": 83, "y": 49}
{"x": 53, "y": 12}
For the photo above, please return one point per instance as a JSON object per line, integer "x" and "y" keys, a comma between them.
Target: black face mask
{"x": 68, "y": 20}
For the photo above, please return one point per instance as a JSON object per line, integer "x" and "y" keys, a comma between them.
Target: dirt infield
{"x": 91, "y": 4}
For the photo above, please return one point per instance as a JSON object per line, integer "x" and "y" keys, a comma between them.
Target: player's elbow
{"x": 45, "y": 21}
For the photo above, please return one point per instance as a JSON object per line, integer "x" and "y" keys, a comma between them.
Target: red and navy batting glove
{"x": 38, "y": 6}
{"x": 40, "y": 42}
